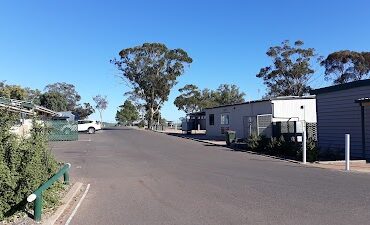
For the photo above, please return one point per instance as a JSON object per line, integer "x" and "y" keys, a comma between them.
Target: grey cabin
{"x": 344, "y": 109}
{"x": 261, "y": 117}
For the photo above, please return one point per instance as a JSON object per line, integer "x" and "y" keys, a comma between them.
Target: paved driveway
{"x": 139, "y": 177}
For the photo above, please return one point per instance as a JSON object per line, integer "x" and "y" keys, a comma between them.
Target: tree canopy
{"x": 68, "y": 91}
{"x": 290, "y": 71}
{"x": 127, "y": 113}
{"x": 57, "y": 97}
{"x": 83, "y": 111}
{"x": 228, "y": 94}
{"x": 13, "y": 91}
{"x": 346, "y": 66}
{"x": 152, "y": 70}
{"x": 192, "y": 99}
{"x": 54, "y": 101}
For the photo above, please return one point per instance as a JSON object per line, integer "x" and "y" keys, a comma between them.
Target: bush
{"x": 25, "y": 163}
{"x": 312, "y": 151}
{"x": 253, "y": 142}
{"x": 276, "y": 146}
{"x": 282, "y": 148}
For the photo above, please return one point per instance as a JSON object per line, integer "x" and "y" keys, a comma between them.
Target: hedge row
{"x": 282, "y": 148}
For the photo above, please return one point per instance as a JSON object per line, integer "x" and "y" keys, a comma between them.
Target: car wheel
{"x": 91, "y": 130}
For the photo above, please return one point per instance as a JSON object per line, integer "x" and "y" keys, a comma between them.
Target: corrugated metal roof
{"x": 23, "y": 106}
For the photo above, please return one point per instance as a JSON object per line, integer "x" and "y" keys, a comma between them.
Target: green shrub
{"x": 282, "y": 148}
{"x": 312, "y": 151}
{"x": 274, "y": 146}
{"x": 253, "y": 142}
{"x": 25, "y": 163}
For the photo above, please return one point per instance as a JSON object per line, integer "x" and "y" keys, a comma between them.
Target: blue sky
{"x": 43, "y": 42}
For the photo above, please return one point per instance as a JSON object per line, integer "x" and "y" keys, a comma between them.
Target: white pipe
{"x": 31, "y": 198}
{"x": 304, "y": 143}
{"x": 347, "y": 150}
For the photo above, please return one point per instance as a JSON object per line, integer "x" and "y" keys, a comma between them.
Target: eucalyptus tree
{"x": 192, "y": 99}
{"x": 67, "y": 91}
{"x": 101, "y": 105}
{"x": 291, "y": 69}
{"x": 346, "y": 66}
{"x": 152, "y": 70}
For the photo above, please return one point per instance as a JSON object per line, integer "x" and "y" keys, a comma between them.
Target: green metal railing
{"x": 37, "y": 195}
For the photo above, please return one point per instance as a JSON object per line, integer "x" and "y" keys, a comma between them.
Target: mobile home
{"x": 259, "y": 117}
{"x": 344, "y": 109}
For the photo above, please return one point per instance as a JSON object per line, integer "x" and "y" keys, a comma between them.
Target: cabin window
{"x": 211, "y": 119}
{"x": 225, "y": 119}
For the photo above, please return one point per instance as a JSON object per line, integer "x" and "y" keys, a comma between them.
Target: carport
{"x": 194, "y": 121}
{"x": 365, "y": 114}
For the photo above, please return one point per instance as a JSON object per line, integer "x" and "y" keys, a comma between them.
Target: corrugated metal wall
{"x": 338, "y": 114}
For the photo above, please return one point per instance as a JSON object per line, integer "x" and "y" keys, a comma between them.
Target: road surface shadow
{"x": 202, "y": 137}
{"x": 119, "y": 128}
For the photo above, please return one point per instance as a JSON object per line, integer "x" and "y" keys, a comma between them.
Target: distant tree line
{"x": 151, "y": 70}
{"x": 192, "y": 99}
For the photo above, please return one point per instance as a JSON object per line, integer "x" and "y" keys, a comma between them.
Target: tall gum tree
{"x": 290, "y": 71}
{"x": 346, "y": 66}
{"x": 152, "y": 70}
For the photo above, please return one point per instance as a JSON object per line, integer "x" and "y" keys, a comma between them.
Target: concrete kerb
{"x": 65, "y": 203}
{"x": 342, "y": 161}
{"x": 357, "y": 171}
{"x": 235, "y": 149}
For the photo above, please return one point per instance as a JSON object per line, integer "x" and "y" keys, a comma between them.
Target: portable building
{"x": 262, "y": 117}
{"x": 344, "y": 109}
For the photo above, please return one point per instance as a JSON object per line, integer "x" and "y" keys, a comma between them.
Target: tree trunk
{"x": 101, "y": 118}
{"x": 151, "y": 111}
{"x": 151, "y": 118}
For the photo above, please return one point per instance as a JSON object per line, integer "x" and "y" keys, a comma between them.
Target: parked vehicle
{"x": 89, "y": 126}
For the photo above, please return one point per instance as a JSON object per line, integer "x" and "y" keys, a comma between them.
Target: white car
{"x": 89, "y": 126}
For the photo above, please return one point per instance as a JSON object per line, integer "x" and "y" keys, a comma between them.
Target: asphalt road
{"x": 140, "y": 177}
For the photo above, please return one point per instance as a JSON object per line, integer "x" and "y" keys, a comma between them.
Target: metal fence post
{"x": 66, "y": 177}
{"x": 38, "y": 208}
{"x": 347, "y": 150}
